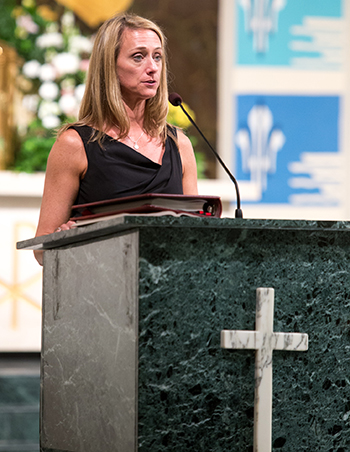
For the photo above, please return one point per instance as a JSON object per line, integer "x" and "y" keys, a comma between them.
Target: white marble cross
{"x": 264, "y": 341}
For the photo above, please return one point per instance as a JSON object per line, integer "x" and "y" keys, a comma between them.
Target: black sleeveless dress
{"x": 117, "y": 170}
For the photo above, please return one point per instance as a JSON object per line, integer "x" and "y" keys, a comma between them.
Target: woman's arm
{"x": 189, "y": 167}
{"x": 66, "y": 165}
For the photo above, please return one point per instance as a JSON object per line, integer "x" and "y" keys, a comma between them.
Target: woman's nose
{"x": 152, "y": 65}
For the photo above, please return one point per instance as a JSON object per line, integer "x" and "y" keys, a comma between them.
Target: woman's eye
{"x": 137, "y": 57}
{"x": 158, "y": 57}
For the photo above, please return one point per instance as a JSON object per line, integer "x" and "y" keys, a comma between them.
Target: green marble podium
{"x": 133, "y": 311}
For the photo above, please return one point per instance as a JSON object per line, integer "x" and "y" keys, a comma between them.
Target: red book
{"x": 150, "y": 203}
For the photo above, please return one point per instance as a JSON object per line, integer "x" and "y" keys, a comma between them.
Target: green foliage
{"x": 7, "y": 22}
{"x": 15, "y": 35}
{"x": 34, "y": 149}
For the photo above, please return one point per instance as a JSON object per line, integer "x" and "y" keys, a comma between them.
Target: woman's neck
{"x": 136, "y": 113}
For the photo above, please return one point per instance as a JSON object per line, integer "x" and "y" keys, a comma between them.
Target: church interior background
{"x": 267, "y": 82}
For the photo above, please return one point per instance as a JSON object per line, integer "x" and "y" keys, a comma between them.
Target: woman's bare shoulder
{"x": 69, "y": 137}
{"x": 68, "y": 150}
{"x": 184, "y": 142}
{"x": 189, "y": 168}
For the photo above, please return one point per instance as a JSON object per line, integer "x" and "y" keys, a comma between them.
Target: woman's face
{"x": 139, "y": 64}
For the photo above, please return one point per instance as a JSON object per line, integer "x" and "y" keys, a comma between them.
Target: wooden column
{"x": 9, "y": 62}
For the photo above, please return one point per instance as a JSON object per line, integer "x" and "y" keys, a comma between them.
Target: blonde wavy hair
{"x": 102, "y": 106}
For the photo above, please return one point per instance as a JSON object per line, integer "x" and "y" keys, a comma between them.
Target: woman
{"x": 121, "y": 145}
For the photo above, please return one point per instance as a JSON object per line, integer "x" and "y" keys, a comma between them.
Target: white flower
{"x": 47, "y": 109}
{"x": 66, "y": 63}
{"x": 79, "y": 44}
{"x": 79, "y": 92}
{"x": 30, "y": 102}
{"x": 68, "y": 19}
{"x": 47, "y": 73}
{"x": 31, "y": 68}
{"x": 50, "y": 40}
{"x": 51, "y": 121}
{"x": 49, "y": 91}
{"x": 27, "y": 23}
{"x": 68, "y": 104}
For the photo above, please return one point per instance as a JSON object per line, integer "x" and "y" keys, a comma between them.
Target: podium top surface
{"x": 126, "y": 223}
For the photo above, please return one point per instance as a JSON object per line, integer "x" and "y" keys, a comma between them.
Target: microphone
{"x": 176, "y": 100}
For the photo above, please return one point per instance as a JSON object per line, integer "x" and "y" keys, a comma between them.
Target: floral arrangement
{"x": 61, "y": 74}
{"x": 56, "y": 58}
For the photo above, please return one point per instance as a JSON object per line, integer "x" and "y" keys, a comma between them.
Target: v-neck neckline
{"x": 134, "y": 150}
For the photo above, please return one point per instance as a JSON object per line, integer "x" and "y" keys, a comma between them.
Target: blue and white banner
{"x": 295, "y": 33}
{"x": 288, "y": 148}
{"x": 282, "y": 96}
